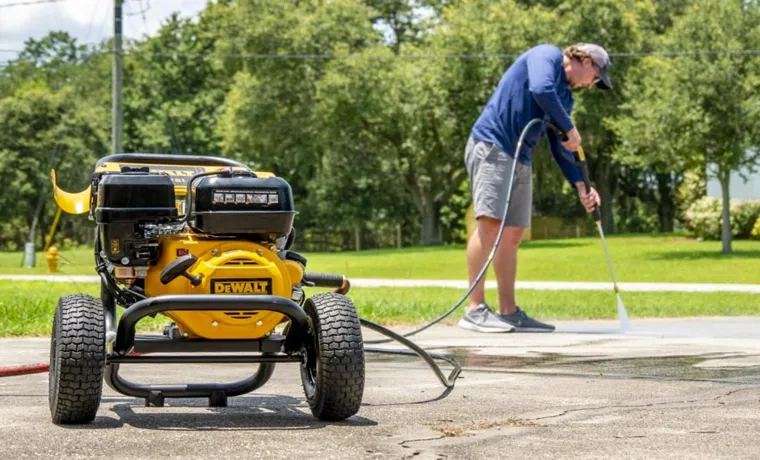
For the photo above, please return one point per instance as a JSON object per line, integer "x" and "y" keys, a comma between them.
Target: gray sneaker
{"x": 524, "y": 323}
{"x": 483, "y": 319}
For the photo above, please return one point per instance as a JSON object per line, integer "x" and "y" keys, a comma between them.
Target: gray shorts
{"x": 489, "y": 169}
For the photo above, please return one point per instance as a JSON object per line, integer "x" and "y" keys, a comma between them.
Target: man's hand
{"x": 589, "y": 200}
{"x": 573, "y": 140}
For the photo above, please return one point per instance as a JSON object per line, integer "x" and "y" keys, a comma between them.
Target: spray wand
{"x": 582, "y": 164}
{"x": 580, "y": 161}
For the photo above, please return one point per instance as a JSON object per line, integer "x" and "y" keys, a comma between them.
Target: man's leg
{"x": 485, "y": 182}
{"x": 504, "y": 264}
{"x": 506, "y": 257}
{"x": 478, "y": 249}
{"x": 505, "y": 267}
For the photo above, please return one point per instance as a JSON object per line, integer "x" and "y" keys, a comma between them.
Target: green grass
{"x": 635, "y": 259}
{"x": 26, "y": 309}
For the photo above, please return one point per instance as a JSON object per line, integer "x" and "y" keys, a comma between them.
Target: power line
{"x": 427, "y": 56}
{"x": 297, "y": 56}
{"x": 35, "y": 2}
{"x": 141, "y": 12}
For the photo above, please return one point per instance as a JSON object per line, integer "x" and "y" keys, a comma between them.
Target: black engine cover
{"x": 243, "y": 205}
{"x": 135, "y": 197}
{"x": 127, "y": 201}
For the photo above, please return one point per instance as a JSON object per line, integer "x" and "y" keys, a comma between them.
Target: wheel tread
{"x": 81, "y": 349}
{"x": 341, "y": 357}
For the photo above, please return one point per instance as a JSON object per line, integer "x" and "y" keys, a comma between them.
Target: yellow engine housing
{"x": 225, "y": 267}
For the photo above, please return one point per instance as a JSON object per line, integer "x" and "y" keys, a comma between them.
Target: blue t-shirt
{"x": 534, "y": 86}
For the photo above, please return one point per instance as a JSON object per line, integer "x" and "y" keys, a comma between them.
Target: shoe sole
{"x": 474, "y": 327}
{"x": 532, "y": 329}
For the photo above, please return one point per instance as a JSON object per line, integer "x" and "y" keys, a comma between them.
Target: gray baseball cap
{"x": 602, "y": 62}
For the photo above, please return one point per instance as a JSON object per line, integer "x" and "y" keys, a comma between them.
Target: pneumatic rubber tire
{"x": 77, "y": 360}
{"x": 333, "y": 374}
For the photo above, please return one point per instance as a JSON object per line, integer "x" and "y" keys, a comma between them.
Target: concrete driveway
{"x": 667, "y": 389}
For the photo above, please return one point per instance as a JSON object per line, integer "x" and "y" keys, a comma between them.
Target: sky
{"x": 90, "y": 21}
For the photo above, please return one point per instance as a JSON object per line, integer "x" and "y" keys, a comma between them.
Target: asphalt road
{"x": 668, "y": 389}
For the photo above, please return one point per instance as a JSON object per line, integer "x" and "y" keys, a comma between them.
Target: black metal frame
{"x": 216, "y": 392}
{"x": 129, "y": 348}
{"x": 125, "y": 335}
{"x": 165, "y": 159}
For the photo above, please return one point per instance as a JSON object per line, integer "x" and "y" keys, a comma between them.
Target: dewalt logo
{"x": 254, "y": 286}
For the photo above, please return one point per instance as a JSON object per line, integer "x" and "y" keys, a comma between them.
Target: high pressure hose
{"x": 429, "y": 358}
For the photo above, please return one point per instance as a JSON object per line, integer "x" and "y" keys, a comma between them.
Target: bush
{"x": 703, "y": 218}
{"x": 744, "y": 214}
{"x": 755, "y": 234}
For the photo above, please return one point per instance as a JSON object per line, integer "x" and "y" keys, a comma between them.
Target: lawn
{"x": 26, "y": 308}
{"x": 635, "y": 258}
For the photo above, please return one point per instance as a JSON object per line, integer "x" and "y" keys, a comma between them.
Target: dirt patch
{"x": 465, "y": 430}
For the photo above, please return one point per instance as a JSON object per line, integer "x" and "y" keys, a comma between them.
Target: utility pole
{"x": 116, "y": 110}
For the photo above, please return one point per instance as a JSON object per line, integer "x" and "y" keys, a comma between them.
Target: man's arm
{"x": 571, "y": 172}
{"x": 542, "y": 70}
{"x": 589, "y": 198}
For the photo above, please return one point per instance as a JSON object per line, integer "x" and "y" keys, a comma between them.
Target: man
{"x": 537, "y": 85}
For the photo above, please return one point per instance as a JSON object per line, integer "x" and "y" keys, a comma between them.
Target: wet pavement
{"x": 687, "y": 388}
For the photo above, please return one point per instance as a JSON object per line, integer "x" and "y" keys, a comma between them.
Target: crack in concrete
{"x": 403, "y": 443}
{"x": 546, "y": 372}
{"x": 639, "y": 406}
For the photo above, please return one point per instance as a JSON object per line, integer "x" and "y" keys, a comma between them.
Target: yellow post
{"x": 49, "y": 238}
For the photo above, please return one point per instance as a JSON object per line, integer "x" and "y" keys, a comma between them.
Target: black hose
{"x": 415, "y": 349}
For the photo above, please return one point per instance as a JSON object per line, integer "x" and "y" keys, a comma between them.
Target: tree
{"x": 393, "y": 113}
{"x": 656, "y": 128}
{"x": 269, "y": 111}
{"x": 43, "y": 130}
{"x": 174, "y": 89}
{"x": 49, "y": 118}
{"x": 702, "y": 107}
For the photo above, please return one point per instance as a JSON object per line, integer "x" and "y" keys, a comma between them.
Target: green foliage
{"x": 172, "y": 102}
{"x": 703, "y": 218}
{"x": 42, "y": 130}
{"x": 692, "y": 188}
{"x": 755, "y": 234}
{"x": 365, "y": 107}
{"x": 743, "y": 217}
{"x": 270, "y": 110}
{"x": 699, "y": 108}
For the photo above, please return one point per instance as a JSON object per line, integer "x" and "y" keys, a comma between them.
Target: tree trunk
{"x": 725, "y": 181}
{"x": 666, "y": 208}
{"x": 430, "y": 233}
